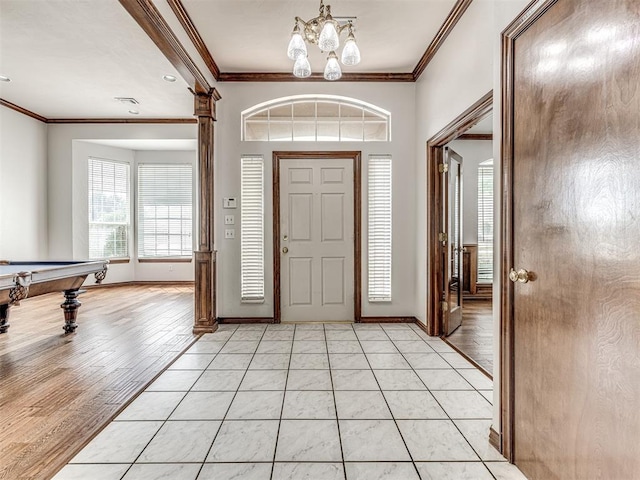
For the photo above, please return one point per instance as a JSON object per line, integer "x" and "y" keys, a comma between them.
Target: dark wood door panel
{"x": 576, "y": 228}
{"x": 452, "y": 246}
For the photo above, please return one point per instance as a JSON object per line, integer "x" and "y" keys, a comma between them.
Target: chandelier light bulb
{"x": 350, "y": 52}
{"x": 329, "y": 40}
{"x": 332, "y": 70}
{"x": 302, "y": 67}
{"x": 297, "y": 47}
{"x": 324, "y": 32}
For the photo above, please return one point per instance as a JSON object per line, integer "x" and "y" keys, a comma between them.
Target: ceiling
{"x": 252, "y": 36}
{"x": 70, "y": 58}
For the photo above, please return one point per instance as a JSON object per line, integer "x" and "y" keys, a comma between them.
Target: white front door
{"x": 316, "y": 240}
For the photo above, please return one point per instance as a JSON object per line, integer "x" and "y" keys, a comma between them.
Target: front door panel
{"x": 316, "y": 257}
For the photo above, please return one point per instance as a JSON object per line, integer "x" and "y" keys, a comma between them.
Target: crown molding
{"x": 156, "y": 27}
{"x": 445, "y": 29}
{"x": 122, "y": 120}
{"x": 185, "y": 20}
{"x": 152, "y": 22}
{"x": 22, "y": 110}
{"x": 315, "y": 77}
{"x": 42, "y": 119}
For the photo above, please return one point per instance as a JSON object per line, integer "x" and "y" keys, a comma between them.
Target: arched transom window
{"x": 316, "y": 118}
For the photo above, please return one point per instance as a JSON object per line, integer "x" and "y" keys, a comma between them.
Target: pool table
{"x": 19, "y": 280}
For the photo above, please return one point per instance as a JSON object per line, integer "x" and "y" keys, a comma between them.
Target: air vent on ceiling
{"x": 127, "y": 100}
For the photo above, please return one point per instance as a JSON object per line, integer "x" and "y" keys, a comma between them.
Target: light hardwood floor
{"x": 474, "y": 338}
{"x": 59, "y": 390}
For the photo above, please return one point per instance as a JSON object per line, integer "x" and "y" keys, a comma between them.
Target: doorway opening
{"x": 460, "y": 172}
{"x": 472, "y": 245}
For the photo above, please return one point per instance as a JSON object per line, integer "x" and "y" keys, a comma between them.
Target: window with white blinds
{"x": 108, "y": 209}
{"x": 380, "y": 228}
{"x": 165, "y": 210}
{"x": 252, "y": 229}
{"x": 485, "y": 222}
{"x": 316, "y": 118}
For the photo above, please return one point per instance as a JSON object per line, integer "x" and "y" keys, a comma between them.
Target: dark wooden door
{"x": 576, "y": 229}
{"x": 452, "y": 248}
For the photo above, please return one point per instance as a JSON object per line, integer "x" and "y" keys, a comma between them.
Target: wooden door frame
{"x": 435, "y": 156}
{"x": 507, "y": 381}
{"x": 355, "y": 156}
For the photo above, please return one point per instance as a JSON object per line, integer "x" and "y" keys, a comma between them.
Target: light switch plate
{"x": 229, "y": 220}
{"x": 230, "y": 233}
{"x": 229, "y": 202}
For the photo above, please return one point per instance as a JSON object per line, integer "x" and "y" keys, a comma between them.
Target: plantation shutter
{"x": 108, "y": 208}
{"x": 380, "y": 228}
{"x": 165, "y": 210}
{"x": 252, "y": 229}
{"x": 485, "y": 224}
{"x": 456, "y": 226}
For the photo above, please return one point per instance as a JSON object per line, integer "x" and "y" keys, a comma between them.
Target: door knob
{"x": 522, "y": 276}
{"x": 285, "y": 250}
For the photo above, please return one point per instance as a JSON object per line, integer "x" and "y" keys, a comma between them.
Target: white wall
{"x": 23, "y": 187}
{"x": 473, "y": 153}
{"x": 69, "y": 147}
{"x": 465, "y": 68}
{"x": 458, "y": 76}
{"x": 395, "y": 97}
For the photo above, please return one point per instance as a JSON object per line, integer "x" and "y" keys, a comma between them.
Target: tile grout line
{"x": 440, "y": 405}
{"x": 473, "y": 367}
{"x": 335, "y": 405}
{"x": 284, "y": 396}
{"x": 395, "y": 422}
{"x": 164, "y": 422}
{"x": 292, "y": 342}
{"x": 472, "y": 386}
{"x": 204, "y": 461}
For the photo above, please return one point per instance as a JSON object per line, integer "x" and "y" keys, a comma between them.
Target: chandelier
{"x": 324, "y": 32}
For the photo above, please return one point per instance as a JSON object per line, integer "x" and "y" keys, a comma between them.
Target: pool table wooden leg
{"x": 4, "y": 318}
{"x": 70, "y": 307}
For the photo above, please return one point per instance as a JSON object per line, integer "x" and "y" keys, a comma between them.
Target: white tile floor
{"x": 313, "y": 401}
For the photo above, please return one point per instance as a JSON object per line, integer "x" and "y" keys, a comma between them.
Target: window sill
{"x": 252, "y": 300}
{"x": 114, "y": 261}
{"x": 165, "y": 260}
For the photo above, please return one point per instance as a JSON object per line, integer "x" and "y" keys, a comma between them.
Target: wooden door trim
{"x": 357, "y": 223}
{"x": 435, "y": 154}
{"x": 507, "y": 393}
